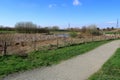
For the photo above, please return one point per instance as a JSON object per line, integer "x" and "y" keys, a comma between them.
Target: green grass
{"x": 112, "y": 32}
{"x": 110, "y": 70}
{"x": 11, "y": 64}
{"x": 1, "y": 31}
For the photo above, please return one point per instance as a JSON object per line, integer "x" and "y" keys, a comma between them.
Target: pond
{"x": 62, "y": 35}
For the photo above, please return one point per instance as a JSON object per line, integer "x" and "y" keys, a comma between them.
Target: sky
{"x": 77, "y": 13}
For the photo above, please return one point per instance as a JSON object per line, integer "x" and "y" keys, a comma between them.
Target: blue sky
{"x": 60, "y": 12}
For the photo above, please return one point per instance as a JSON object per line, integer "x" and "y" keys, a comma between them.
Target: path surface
{"x": 77, "y": 68}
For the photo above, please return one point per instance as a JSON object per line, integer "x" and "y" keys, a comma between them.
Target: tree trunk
{"x": 5, "y": 49}
{"x": 57, "y": 43}
{"x": 34, "y": 42}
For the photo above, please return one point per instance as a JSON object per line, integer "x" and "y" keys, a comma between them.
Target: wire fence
{"x": 24, "y": 43}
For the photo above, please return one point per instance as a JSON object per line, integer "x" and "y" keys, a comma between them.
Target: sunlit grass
{"x": 110, "y": 70}
{"x": 13, "y": 63}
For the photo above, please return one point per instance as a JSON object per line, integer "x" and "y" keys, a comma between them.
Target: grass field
{"x": 10, "y": 64}
{"x": 112, "y": 32}
{"x": 1, "y": 31}
{"x": 110, "y": 70}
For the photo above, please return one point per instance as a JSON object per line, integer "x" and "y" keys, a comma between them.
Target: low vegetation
{"x": 73, "y": 34}
{"x": 13, "y": 63}
{"x": 112, "y": 32}
{"x": 110, "y": 70}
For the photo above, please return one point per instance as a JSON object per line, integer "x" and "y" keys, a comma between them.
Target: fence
{"x": 24, "y": 43}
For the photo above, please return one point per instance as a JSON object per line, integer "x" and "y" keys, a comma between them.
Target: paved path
{"x": 77, "y": 68}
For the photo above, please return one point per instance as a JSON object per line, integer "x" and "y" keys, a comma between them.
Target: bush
{"x": 96, "y": 33}
{"x": 73, "y": 34}
{"x": 91, "y": 29}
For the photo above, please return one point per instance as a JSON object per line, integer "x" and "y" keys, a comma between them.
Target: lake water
{"x": 62, "y": 35}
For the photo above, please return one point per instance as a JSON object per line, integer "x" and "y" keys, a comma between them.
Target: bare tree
{"x": 84, "y": 29}
{"x": 94, "y": 30}
{"x": 26, "y": 27}
{"x": 55, "y": 28}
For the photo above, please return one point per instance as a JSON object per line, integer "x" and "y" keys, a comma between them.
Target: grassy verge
{"x": 112, "y": 32}
{"x": 7, "y": 31}
{"x": 10, "y": 64}
{"x": 110, "y": 70}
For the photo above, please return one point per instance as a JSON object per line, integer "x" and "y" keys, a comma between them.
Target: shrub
{"x": 73, "y": 34}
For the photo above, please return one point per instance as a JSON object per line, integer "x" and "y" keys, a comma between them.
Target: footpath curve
{"x": 77, "y": 68}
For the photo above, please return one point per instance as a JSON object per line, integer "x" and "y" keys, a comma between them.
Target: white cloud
{"x": 111, "y": 22}
{"x": 52, "y": 5}
{"x": 76, "y": 2}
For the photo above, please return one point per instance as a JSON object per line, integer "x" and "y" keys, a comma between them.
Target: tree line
{"x": 6, "y": 39}
{"x": 29, "y": 27}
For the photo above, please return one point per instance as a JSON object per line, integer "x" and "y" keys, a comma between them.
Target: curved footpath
{"x": 77, "y": 68}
